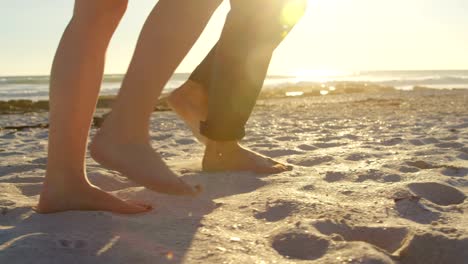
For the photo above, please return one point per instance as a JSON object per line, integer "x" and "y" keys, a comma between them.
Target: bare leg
{"x": 190, "y": 102}
{"x": 75, "y": 81}
{"x": 226, "y": 85}
{"x": 123, "y": 143}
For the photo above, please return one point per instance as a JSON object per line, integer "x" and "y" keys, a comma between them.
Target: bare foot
{"x": 84, "y": 197}
{"x": 139, "y": 162}
{"x": 230, "y": 156}
{"x": 190, "y": 102}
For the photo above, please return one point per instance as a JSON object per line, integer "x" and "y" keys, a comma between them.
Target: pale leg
{"x": 123, "y": 143}
{"x": 75, "y": 80}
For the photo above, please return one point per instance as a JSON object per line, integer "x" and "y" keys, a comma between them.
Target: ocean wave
{"x": 37, "y": 87}
{"x": 374, "y": 77}
{"x": 430, "y": 80}
{"x": 108, "y": 78}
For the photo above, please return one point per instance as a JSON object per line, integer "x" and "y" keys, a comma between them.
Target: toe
{"x": 132, "y": 208}
{"x": 182, "y": 188}
{"x": 278, "y": 168}
{"x": 280, "y": 165}
{"x": 145, "y": 205}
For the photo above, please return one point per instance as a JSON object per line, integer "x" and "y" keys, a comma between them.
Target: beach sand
{"x": 378, "y": 178}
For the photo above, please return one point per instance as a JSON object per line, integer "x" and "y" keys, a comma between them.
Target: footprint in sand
{"x": 264, "y": 145}
{"x": 310, "y": 161}
{"x": 328, "y": 138}
{"x": 17, "y": 169}
{"x": 277, "y": 211}
{"x": 411, "y": 209}
{"x": 460, "y": 126}
{"x": 423, "y": 141}
{"x": 42, "y": 161}
{"x": 392, "y": 178}
{"x": 450, "y": 145}
{"x": 22, "y": 179}
{"x": 421, "y": 165}
{"x": 30, "y": 189}
{"x": 11, "y": 135}
{"x": 463, "y": 156}
{"x": 186, "y": 141}
{"x": 286, "y": 138}
{"x": 407, "y": 169}
{"x": 351, "y": 137}
{"x": 297, "y": 244}
{"x": 431, "y": 248}
{"x": 378, "y": 176}
{"x": 307, "y": 147}
{"x": 464, "y": 150}
{"x": 416, "y": 142}
{"x": 453, "y": 171}
{"x": 329, "y": 145}
{"x": 450, "y": 138}
{"x": 274, "y": 153}
{"x": 370, "y": 175}
{"x": 358, "y": 156}
{"x": 430, "y": 140}
{"x": 161, "y": 137}
{"x": 392, "y": 142}
{"x": 437, "y": 193}
{"x": 334, "y": 176}
{"x": 309, "y": 187}
{"x": 387, "y": 238}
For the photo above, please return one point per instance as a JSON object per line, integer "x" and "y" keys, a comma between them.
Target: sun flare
{"x": 292, "y": 12}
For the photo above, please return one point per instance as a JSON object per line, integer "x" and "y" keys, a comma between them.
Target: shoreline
{"x": 289, "y": 91}
{"x": 267, "y": 99}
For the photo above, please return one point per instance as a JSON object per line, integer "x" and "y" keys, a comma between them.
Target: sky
{"x": 333, "y": 36}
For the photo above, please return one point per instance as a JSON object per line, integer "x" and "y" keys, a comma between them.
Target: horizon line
{"x": 280, "y": 75}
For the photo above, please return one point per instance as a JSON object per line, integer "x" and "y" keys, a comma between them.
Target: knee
{"x": 100, "y": 14}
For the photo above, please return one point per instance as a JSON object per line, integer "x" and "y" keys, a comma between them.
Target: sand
{"x": 378, "y": 178}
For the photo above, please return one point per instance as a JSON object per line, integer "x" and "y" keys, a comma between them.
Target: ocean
{"x": 37, "y": 87}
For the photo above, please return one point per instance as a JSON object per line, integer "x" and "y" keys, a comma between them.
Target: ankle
{"x": 190, "y": 89}
{"x": 222, "y": 146}
{"x": 63, "y": 180}
{"x": 124, "y": 127}
{"x": 106, "y": 136}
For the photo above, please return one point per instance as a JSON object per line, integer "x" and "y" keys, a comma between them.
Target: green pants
{"x": 234, "y": 70}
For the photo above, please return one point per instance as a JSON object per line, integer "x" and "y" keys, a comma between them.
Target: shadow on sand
{"x": 161, "y": 236}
